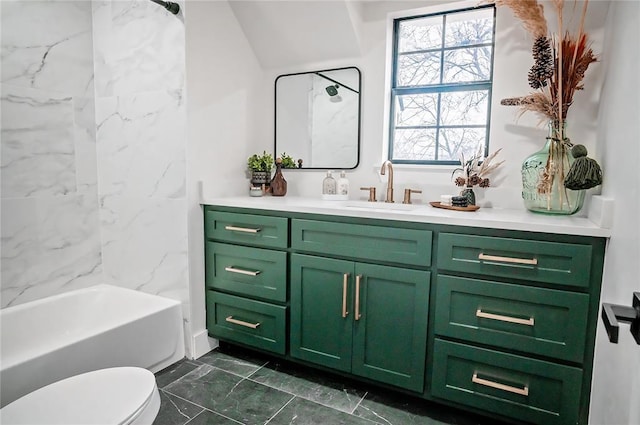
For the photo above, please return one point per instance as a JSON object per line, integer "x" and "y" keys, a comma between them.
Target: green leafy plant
{"x": 287, "y": 161}
{"x": 262, "y": 162}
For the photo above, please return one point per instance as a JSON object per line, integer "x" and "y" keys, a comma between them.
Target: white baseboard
{"x": 201, "y": 344}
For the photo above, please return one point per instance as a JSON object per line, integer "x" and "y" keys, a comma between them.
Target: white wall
{"x": 223, "y": 79}
{"x": 616, "y": 380}
{"x": 518, "y": 137}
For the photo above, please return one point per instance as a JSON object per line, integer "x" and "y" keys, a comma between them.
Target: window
{"x": 441, "y": 86}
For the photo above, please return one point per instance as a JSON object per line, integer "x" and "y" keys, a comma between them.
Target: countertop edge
{"x": 495, "y": 218}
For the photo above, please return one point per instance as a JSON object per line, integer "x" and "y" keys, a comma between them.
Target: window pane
{"x": 415, "y": 110}
{"x": 465, "y": 28}
{"x": 414, "y": 144}
{"x": 465, "y": 65}
{"x": 418, "y": 69}
{"x": 464, "y": 108}
{"x": 420, "y": 34}
{"x": 454, "y": 140}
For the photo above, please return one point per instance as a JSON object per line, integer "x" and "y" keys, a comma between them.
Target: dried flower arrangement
{"x": 560, "y": 63}
{"x": 475, "y": 170}
{"x": 567, "y": 52}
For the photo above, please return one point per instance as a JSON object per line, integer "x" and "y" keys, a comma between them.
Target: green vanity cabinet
{"x": 498, "y": 321}
{"x": 366, "y": 319}
{"x": 246, "y": 278}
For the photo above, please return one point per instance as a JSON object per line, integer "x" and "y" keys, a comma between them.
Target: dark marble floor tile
{"x": 396, "y": 409}
{"x": 175, "y": 371}
{"x": 320, "y": 387}
{"x": 210, "y": 418}
{"x": 304, "y": 412}
{"x": 241, "y": 363}
{"x": 175, "y": 411}
{"x": 229, "y": 395}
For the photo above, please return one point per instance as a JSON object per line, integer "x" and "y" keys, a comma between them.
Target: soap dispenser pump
{"x": 329, "y": 186}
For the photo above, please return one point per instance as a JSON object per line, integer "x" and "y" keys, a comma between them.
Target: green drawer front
{"x": 535, "y": 320}
{"x": 246, "y": 229}
{"x": 255, "y": 272}
{"x": 563, "y": 263}
{"x": 249, "y": 322}
{"x": 405, "y": 246}
{"x": 525, "y": 389}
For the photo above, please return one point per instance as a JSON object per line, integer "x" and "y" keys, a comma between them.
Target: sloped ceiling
{"x": 290, "y": 33}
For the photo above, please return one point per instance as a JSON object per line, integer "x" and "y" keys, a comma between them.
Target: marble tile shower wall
{"x": 93, "y": 148}
{"x": 50, "y": 220}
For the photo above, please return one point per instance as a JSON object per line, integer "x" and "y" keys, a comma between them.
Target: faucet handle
{"x": 372, "y": 193}
{"x": 407, "y": 195}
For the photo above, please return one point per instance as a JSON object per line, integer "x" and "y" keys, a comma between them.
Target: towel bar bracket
{"x": 612, "y": 314}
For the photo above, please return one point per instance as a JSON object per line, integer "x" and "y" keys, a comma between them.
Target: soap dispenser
{"x": 343, "y": 184}
{"x": 329, "y": 186}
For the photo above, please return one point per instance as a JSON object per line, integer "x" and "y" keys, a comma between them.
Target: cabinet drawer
{"x": 535, "y": 320}
{"x": 522, "y": 388}
{"x": 255, "y": 272}
{"x": 405, "y": 246}
{"x": 249, "y": 322}
{"x": 549, "y": 262}
{"x": 246, "y": 229}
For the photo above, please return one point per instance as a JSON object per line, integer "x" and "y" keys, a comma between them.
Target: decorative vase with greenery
{"x": 260, "y": 167}
{"x": 560, "y": 62}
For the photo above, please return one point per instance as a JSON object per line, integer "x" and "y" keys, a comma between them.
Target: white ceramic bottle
{"x": 343, "y": 184}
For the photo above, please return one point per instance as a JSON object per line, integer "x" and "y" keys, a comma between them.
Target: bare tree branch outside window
{"x": 442, "y": 85}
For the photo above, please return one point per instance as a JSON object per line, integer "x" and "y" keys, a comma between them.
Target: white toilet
{"x": 115, "y": 396}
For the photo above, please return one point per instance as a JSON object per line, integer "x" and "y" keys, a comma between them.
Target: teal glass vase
{"x": 543, "y": 175}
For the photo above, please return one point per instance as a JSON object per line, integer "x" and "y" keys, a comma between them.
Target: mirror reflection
{"x": 317, "y": 118}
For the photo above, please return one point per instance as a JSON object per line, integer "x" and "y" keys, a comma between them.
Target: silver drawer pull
{"x": 500, "y": 317}
{"x": 232, "y": 269}
{"x": 230, "y": 319}
{"x": 529, "y": 261}
{"x": 520, "y": 391}
{"x": 242, "y": 229}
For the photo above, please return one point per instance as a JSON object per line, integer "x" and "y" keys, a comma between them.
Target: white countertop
{"x": 495, "y": 218}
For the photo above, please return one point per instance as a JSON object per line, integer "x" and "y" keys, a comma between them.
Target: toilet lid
{"x": 105, "y": 396}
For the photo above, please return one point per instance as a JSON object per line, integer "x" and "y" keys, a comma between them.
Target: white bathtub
{"x": 103, "y": 326}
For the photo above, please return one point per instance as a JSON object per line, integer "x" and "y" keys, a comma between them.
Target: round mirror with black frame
{"x": 317, "y": 118}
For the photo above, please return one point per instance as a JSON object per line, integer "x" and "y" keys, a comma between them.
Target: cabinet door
{"x": 319, "y": 332}
{"x": 390, "y": 335}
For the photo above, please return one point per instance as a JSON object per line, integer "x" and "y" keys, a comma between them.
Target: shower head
{"x": 170, "y": 6}
{"x": 332, "y": 90}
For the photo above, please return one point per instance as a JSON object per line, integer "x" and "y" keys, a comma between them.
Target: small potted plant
{"x": 287, "y": 161}
{"x": 260, "y": 167}
{"x": 474, "y": 172}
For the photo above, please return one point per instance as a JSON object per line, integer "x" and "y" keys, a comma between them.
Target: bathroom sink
{"x": 379, "y": 206}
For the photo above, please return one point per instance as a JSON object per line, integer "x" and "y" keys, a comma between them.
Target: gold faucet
{"x": 389, "y": 165}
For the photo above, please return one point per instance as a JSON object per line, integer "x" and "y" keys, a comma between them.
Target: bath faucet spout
{"x": 388, "y": 165}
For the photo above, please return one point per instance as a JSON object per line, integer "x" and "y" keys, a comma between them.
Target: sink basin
{"x": 379, "y": 206}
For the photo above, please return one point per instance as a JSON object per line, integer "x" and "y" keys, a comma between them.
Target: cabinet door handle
{"x": 242, "y": 229}
{"x": 230, "y": 319}
{"x": 232, "y": 269}
{"x": 500, "y": 317}
{"x": 520, "y": 391}
{"x": 345, "y": 282}
{"x": 528, "y": 261}
{"x": 358, "y": 315}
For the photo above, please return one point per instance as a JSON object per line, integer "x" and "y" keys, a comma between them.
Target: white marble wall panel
{"x": 141, "y": 145}
{"x": 49, "y": 245}
{"x": 145, "y": 245}
{"x": 50, "y": 225}
{"x": 48, "y": 44}
{"x": 139, "y": 47}
{"x": 38, "y": 154}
